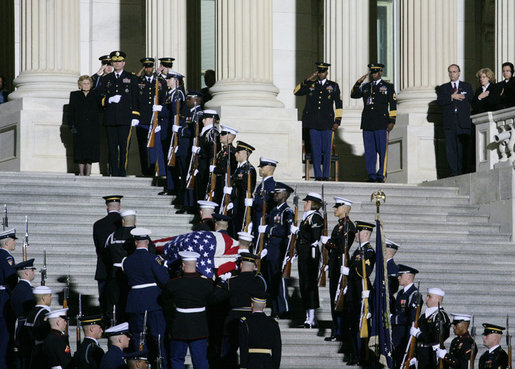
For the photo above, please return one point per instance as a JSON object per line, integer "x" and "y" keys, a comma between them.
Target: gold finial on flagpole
{"x": 378, "y": 196}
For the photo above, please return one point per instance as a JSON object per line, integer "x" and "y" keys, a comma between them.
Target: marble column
{"x": 50, "y": 48}
{"x": 346, "y": 47}
{"x": 504, "y": 34}
{"x": 244, "y": 55}
{"x": 428, "y": 45}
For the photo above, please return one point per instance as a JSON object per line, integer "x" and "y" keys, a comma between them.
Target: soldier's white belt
{"x": 260, "y": 351}
{"x": 191, "y": 310}
{"x": 145, "y": 285}
{"x": 2, "y": 288}
{"x": 248, "y": 308}
{"x": 117, "y": 265}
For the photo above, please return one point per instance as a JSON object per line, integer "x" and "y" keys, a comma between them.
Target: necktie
{"x": 117, "y": 75}
{"x": 454, "y": 89}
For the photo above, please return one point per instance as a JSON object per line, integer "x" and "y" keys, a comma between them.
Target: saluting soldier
{"x": 119, "y": 338}
{"x": 266, "y": 171}
{"x": 260, "y": 338}
{"x": 277, "y": 231}
{"x": 377, "y": 119}
{"x": 36, "y": 325}
{"x": 307, "y": 247}
{"x": 243, "y": 173}
{"x": 147, "y": 93}
{"x": 495, "y": 357}
{"x": 191, "y": 293}
{"x": 319, "y": 119}
{"x": 208, "y": 140}
{"x": 428, "y": 333}
{"x": 224, "y": 154}
{"x": 404, "y": 313}
{"x": 55, "y": 349}
{"x": 206, "y": 223}
{"x": 106, "y": 67}
{"x": 89, "y": 353}
{"x": 463, "y": 347}
{"x": 121, "y": 112}
{"x": 8, "y": 280}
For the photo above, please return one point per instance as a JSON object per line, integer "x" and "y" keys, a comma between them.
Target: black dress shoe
{"x": 318, "y": 179}
{"x": 325, "y": 179}
{"x": 181, "y": 211}
{"x": 332, "y": 339}
{"x": 370, "y": 180}
{"x": 380, "y": 180}
{"x": 165, "y": 193}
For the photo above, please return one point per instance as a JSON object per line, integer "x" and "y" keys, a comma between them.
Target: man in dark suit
{"x": 319, "y": 117}
{"x": 377, "y": 119}
{"x": 121, "y": 112}
{"x": 455, "y": 98}
{"x": 101, "y": 230}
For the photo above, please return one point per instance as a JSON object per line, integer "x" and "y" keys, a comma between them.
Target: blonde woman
{"x": 487, "y": 96}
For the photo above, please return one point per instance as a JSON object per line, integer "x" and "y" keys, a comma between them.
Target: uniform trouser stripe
{"x": 386, "y": 155}
{"x": 127, "y": 148}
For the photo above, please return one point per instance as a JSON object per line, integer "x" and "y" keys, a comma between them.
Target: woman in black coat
{"x": 84, "y": 124}
{"x": 487, "y": 96}
{"x": 507, "y": 86}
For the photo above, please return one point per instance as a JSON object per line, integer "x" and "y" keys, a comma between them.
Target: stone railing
{"x": 495, "y": 139}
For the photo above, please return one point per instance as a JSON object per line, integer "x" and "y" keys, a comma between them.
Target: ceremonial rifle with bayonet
{"x": 25, "y": 239}
{"x": 473, "y": 347}
{"x": 159, "y": 358}
{"x": 210, "y": 193}
{"x": 248, "y": 203}
{"x": 292, "y": 240}
{"x": 224, "y": 207}
{"x": 508, "y": 341}
{"x": 342, "y": 282}
{"x": 174, "y": 143}
{"x": 363, "y": 332}
{"x": 43, "y": 269}
{"x": 261, "y": 241}
{"x": 192, "y": 170}
{"x": 410, "y": 348}
{"x": 325, "y": 256}
{"x": 143, "y": 333}
{"x": 155, "y": 114}
{"x": 66, "y": 296}
{"x": 78, "y": 326}
{"x": 5, "y": 220}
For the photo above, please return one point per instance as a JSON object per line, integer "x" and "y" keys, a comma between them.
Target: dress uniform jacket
{"x": 376, "y": 100}
{"x": 101, "y": 230}
{"x": 222, "y": 157}
{"x": 460, "y": 351}
{"x": 260, "y": 342}
{"x": 191, "y": 291}
{"x": 206, "y": 224}
{"x": 113, "y": 359}
{"x": 240, "y": 181}
{"x": 36, "y": 329}
{"x": 430, "y": 336}
{"x": 321, "y": 100}
{"x": 310, "y": 231}
{"x": 239, "y": 289}
{"x": 209, "y": 137}
{"x": 497, "y": 359}
{"x": 89, "y": 354}
{"x": 8, "y": 279}
{"x": 403, "y": 316}
{"x": 257, "y": 205}
{"x": 123, "y": 112}
{"x": 56, "y": 351}
{"x": 22, "y": 298}
{"x": 146, "y": 97}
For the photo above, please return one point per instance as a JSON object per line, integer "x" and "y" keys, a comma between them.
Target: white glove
{"x": 248, "y": 201}
{"x": 212, "y": 168}
{"x": 414, "y": 331}
{"x": 195, "y": 149}
{"x": 262, "y": 228}
{"x": 158, "y": 128}
{"x": 294, "y": 229}
{"x": 176, "y": 128}
{"x": 230, "y": 206}
{"x": 344, "y": 270}
{"x": 413, "y": 361}
{"x": 114, "y": 99}
{"x": 264, "y": 253}
{"x": 345, "y": 290}
{"x": 441, "y": 353}
{"x": 227, "y": 190}
{"x": 134, "y": 122}
{"x": 294, "y": 258}
{"x": 365, "y": 294}
{"x": 324, "y": 239}
{"x": 157, "y": 107}
{"x": 225, "y": 276}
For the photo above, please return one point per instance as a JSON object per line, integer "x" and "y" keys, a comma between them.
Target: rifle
{"x": 210, "y": 192}
{"x": 143, "y": 333}
{"x": 192, "y": 170}
{"x": 159, "y": 358}
{"x": 43, "y": 269}
{"x": 227, "y": 197}
{"x": 5, "y": 220}
{"x": 25, "y": 239}
{"x": 175, "y": 139}
{"x": 261, "y": 242}
{"x": 473, "y": 348}
{"x": 325, "y": 257}
{"x": 342, "y": 283}
{"x": 79, "y": 316}
{"x": 440, "y": 335}
{"x": 293, "y": 238}
{"x": 113, "y": 318}
{"x": 364, "y": 304}
{"x": 66, "y": 296}
{"x": 410, "y": 348}
{"x": 248, "y": 209}
{"x": 155, "y": 114}
{"x": 508, "y": 341}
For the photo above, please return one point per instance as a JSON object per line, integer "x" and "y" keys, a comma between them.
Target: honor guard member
{"x": 22, "y": 302}
{"x": 209, "y": 140}
{"x": 239, "y": 290}
{"x": 277, "y": 232}
{"x": 245, "y": 242}
{"x": 121, "y": 112}
{"x": 243, "y": 173}
{"x": 428, "y": 333}
{"x": 495, "y": 357}
{"x": 392, "y": 270}
{"x": 226, "y": 153}
{"x": 8, "y": 280}
{"x": 267, "y": 186}
{"x": 319, "y": 118}
{"x": 147, "y": 84}
{"x": 119, "y": 338}
{"x": 191, "y": 293}
{"x": 106, "y": 67}
{"x": 89, "y": 353}
{"x": 206, "y": 223}
{"x": 342, "y": 233}
{"x": 377, "y": 119}
{"x": 101, "y": 230}
{"x": 165, "y": 65}
{"x": 404, "y": 312}
{"x": 307, "y": 249}
{"x": 145, "y": 277}
{"x": 56, "y": 347}
{"x": 138, "y": 360}
{"x": 463, "y": 348}
{"x": 222, "y": 223}
{"x": 259, "y": 338}
{"x": 36, "y": 324}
